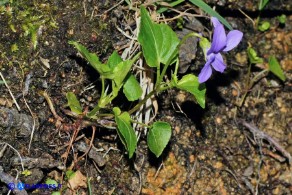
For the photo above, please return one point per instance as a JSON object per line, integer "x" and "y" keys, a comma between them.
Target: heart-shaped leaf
{"x": 158, "y": 137}
{"x": 159, "y": 42}
{"x": 191, "y": 84}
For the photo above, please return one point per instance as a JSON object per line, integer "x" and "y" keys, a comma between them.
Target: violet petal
{"x": 218, "y": 63}
{"x": 233, "y": 39}
{"x": 219, "y": 39}
{"x": 215, "y": 22}
{"x": 205, "y": 72}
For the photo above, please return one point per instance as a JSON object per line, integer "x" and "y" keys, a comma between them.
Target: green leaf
{"x": 125, "y": 130}
{"x": 253, "y": 56}
{"x": 51, "y": 182}
{"x": 3, "y": 2}
{"x": 114, "y": 60}
{"x": 73, "y": 103}
{"x": 282, "y": 19}
{"x": 275, "y": 68}
{"x": 121, "y": 70}
{"x": 93, "y": 60}
{"x": 158, "y": 137}
{"x": 201, "y": 4}
{"x": 191, "y": 84}
{"x": 264, "y": 26}
{"x": 69, "y": 174}
{"x": 132, "y": 88}
{"x": 159, "y": 42}
{"x": 262, "y": 4}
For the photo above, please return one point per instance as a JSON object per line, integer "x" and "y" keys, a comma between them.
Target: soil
{"x": 226, "y": 148}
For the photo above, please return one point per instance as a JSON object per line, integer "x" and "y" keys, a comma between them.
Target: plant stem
{"x": 142, "y": 102}
{"x": 192, "y": 34}
{"x": 159, "y": 79}
{"x": 94, "y": 111}
{"x": 157, "y": 76}
{"x": 142, "y": 124}
{"x": 97, "y": 107}
{"x": 102, "y": 86}
{"x": 257, "y": 77}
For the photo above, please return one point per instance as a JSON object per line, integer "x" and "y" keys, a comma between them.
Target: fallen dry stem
{"x": 51, "y": 105}
{"x": 263, "y": 136}
{"x": 24, "y": 93}
{"x": 181, "y": 14}
{"x": 91, "y": 143}
{"x": 16, "y": 104}
{"x": 21, "y": 161}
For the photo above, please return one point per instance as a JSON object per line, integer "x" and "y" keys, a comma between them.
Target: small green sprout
{"x": 26, "y": 173}
{"x": 282, "y": 19}
{"x": 69, "y": 174}
{"x": 53, "y": 185}
{"x": 264, "y": 26}
{"x": 253, "y": 56}
{"x": 274, "y": 67}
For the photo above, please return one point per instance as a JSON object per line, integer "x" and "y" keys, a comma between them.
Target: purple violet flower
{"x": 220, "y": 43}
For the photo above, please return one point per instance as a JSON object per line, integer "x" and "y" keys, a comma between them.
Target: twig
{"x": 90, "y": 145}
{"x": 184, "y": 13}
{"x": 158, "y": 170}
{"x": 3, "y": 150}
{"x": 64, "y": 146}
{"x": 16, "y": 104}
{"x": 193, "y": 168}
{"x": 21, "y": 161}
{"x": 24, "y": 93}
{"x": 91, "y": 152}
{"x": 113, "y": 7}
{"x": 233, "y": 175}
{"x": 247, "y": 16}
{"x": 33, "y": 125}
{"x": 51, "y": 105}
{"x": 261, "y": 135}
{"x": 138, "y": 169}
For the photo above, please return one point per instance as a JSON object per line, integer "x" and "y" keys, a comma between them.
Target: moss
{"x": 22, "y": 24}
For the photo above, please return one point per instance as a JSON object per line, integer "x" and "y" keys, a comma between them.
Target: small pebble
{"x": 218, "y": 120}
{"x": 44, "y": 84}
{"x": 177, "y": 129}
{"x": 234, "y": 93}
{"x": 192, "y": 158}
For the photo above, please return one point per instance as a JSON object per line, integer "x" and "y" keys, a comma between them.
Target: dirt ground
{"x": 227, "y": 148}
